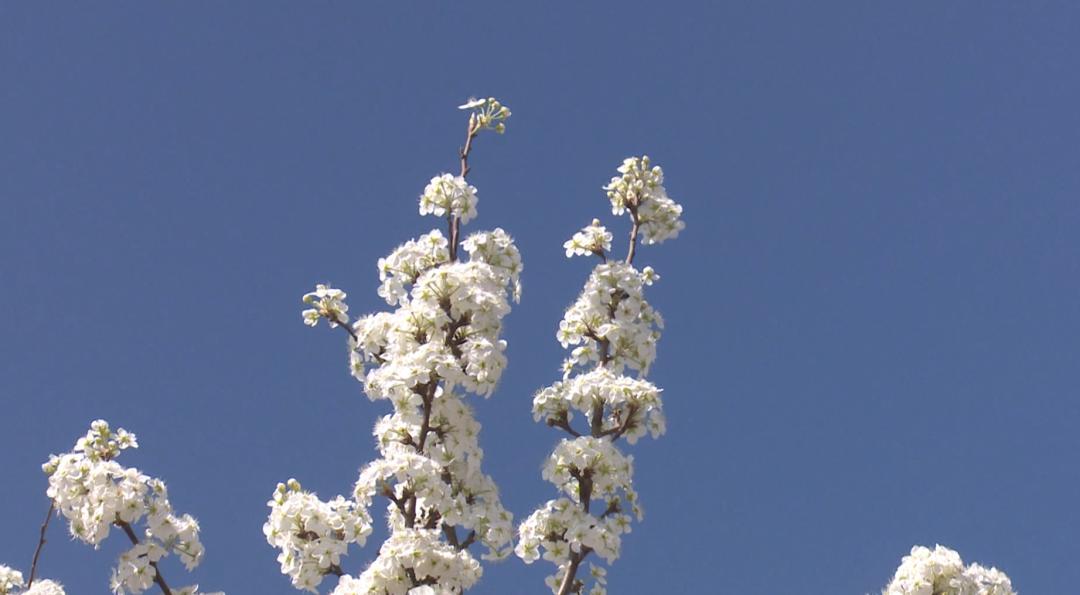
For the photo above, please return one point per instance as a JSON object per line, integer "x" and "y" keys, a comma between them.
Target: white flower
{"x": 95, "y": 493}
{"x": 45, "y": 587}
{"x": 941, "y": 572}
{"x": 10, "y": 580}
{"x": 312, "y": 535}
{"x": 449, "y": 194}
{"x": 328, "y": 303}
{"x": 593, "y": 239}
{"x": 640, "y": 189}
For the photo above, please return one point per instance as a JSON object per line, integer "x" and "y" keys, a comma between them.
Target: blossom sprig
{"x": 592, "y": 239}
{"x": 441, "y": 342}
{"x": 940, "y": 571}
{"x": 313, "y": 535}
{"x": 487, "y": 113}
{"x": 11, "y": 583}
{"x": 95, "y": 494}
{"x": 328, "y": 303}
{"x": 610, "y": 327}
{"x": 640, "y": 190}
{"x": 447, "y": 194}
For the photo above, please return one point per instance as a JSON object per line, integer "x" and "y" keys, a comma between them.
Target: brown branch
{"x": 41, "y": 542}
{"x": 568, "y": 585}
{"x": 345, "y": 326}
{"x": 597, "y": 426}
{"x": 563, "y": 422}
{"x": 471, "y": 539}
{"x": 617, "y": 432}
{"x": 158, "y": 579}
{"x": 453, "y": 220}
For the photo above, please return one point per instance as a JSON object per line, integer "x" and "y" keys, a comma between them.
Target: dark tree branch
{"x": 41, "y": 543}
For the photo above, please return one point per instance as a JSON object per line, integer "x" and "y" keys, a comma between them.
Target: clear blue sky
{"x": 873, "y": 314}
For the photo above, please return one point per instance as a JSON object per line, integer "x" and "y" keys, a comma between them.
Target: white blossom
{"x": 441, "y": 342}
{"x": 449, "y": 194}
{"x": 593, "y": 239}
{"x": 312, "y": 535}
{"x": 329, "y": 303}
{"x": 941, "y": 572}
{"x": 95, "y": 493}
{"x": 640, "y": 189}
{"x": 612, "y": 320}
{"x": 609, "y": 327}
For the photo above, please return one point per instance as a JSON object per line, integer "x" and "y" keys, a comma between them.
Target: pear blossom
{"x": 441, "y": 342}
{"x": 593, "y": 239}
{"x": 940, "y": 571}
{"x": 95, "y": 493}
{"x": 449, "y": 194}
{"x": 329, "y": 303}
{"x": 608, "y": 329}
{"x": 312, "y": 535}
{"x": 640, "y": 190}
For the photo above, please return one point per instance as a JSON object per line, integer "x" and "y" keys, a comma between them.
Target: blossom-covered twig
{"x": 441, "y": 341}
{"x": 612, "y": 328}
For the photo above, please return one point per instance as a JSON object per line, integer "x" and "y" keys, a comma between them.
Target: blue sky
{"x": 873, "y": 314}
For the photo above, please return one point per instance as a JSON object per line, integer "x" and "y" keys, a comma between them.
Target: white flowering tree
{"x": 440, "y": 343}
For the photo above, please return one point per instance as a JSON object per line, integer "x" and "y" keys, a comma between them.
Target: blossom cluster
{"x": 311, "y": 534}
{"x": 95, "y": 493}
{"x": 611, "y": 322}
{"x": 610, "y": 327}
{"x": 940, "y": 571}
{"x": 640, "y": 190}
{"x": 441, "y": 342}
{"x": 449, "y": 194}
{"x": 593, "y": 239}
{"x": 11, "y": 583}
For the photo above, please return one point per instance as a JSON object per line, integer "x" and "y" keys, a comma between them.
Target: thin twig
{"x": 41, "y": 542}
{"x": 454, "y": 221}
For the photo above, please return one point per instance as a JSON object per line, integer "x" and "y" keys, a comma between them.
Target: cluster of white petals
{"x": 328, "y": 303}
{"x": 610, "y": 327}
{"x": 631, "y": 406}
{"x": 496, "y": 248}
{"x": 441, "y": 342}
{"x": 640, "y": 190}
{"x": 610, "y": 320}
{"x": 594, "y": 239}
{"x": 405, "y": 264}
{"x": 95, "y": 493}
{"x": 11, "y": 583}
{"x": 447, "y": 194}
{"x": 412, "y": 553}
{"x": 312, "y": 535}
{"x": 940, "y": 571}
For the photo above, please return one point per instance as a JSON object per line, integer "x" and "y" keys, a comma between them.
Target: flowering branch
{"x": 612, "y": 328}
{"x": 442, "y": 337}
